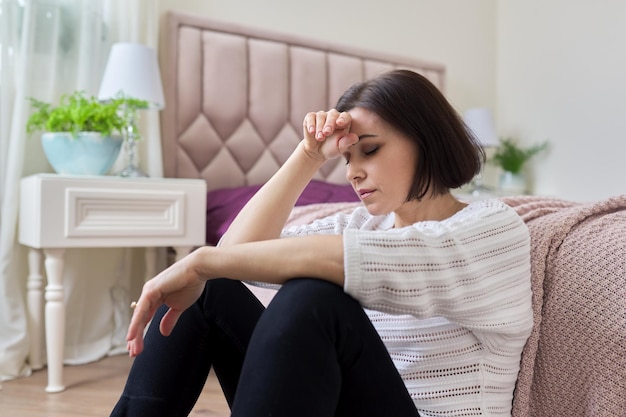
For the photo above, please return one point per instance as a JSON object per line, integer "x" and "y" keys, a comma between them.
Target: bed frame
{"x": 236, "y": 96}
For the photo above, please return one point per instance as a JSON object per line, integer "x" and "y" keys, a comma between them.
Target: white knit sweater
{"x": 450, "y": 299}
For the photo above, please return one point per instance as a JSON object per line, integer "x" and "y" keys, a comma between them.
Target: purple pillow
{"x": 224, "y": 204}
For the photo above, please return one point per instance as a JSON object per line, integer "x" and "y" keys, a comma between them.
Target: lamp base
{"x": 132, "y": 171}
{"x": 481, "y": 191}
{"x": 478, "y": 190}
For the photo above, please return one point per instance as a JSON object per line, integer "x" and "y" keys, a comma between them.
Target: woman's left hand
{"x": 178, "y": 287}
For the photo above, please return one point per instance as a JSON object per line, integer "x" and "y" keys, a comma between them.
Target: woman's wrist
{"x": 202, "y": 262}
{"x": 315, "y": 157}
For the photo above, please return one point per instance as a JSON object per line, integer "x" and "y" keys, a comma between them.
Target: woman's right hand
{"x": 327, "y": 134}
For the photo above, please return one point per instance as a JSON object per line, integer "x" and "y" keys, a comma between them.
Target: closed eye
{"x": 366, "y": 148}
{"x": 367, "y": 151}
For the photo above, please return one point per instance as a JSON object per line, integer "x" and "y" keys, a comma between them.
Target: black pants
{"x": 312, "y": 352}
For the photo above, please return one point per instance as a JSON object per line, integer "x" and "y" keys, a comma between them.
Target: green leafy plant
{"x": 511, "y": 157}
{"x": 81, "y": 113}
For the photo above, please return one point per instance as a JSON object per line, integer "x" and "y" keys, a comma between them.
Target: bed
{"x": 236, "y": 97}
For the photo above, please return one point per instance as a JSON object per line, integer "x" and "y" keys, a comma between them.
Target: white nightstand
{"x": 67, "y": 211}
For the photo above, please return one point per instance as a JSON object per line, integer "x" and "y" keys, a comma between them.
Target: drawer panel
{"x": 97, "y": 213}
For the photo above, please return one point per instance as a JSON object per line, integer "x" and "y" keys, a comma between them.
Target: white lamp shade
{"x": 132, "y": 71}
{"x": 480, "y": 121}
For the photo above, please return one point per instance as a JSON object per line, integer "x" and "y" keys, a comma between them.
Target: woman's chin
{"x": 375, "y": 210}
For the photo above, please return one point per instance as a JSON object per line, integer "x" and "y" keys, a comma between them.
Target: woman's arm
{"x": 273, "y": 261}
{"x": 250, "y": 249}
{"x": 265, "y": 215}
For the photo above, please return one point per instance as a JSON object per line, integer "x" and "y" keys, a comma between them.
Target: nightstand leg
{"x": 151, "y": 254}
{"x": 35, "y": 307}
{"x": 55, "y": 318}
{"x": 150, "y": 258}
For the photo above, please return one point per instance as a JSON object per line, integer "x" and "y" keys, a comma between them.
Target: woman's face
{"x": 381, "y": 166}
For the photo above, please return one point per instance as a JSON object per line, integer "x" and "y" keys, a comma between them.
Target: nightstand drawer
{"x": 139, "y": 213}
{"x": 102, "y": 211}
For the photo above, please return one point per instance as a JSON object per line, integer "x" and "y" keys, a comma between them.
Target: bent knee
{"x": 309, "y": 296}
{"x": 310, "y": 290}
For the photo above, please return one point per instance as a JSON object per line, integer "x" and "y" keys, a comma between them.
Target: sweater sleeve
{"x": 473, "y": 269}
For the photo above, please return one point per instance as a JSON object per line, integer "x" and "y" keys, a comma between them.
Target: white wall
{"x": 561, "y": 69}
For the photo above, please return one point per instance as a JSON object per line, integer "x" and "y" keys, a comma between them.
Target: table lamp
{"x": 480, "y": 121}
{"x": 132, "y": 71}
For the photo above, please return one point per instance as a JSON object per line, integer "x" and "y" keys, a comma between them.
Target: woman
{"x": 414, "y": 304}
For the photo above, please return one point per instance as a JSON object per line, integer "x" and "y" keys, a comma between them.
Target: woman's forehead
{"x": 363, "y": 119}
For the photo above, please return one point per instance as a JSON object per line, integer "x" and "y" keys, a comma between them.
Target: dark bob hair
{"x": 449, "y": 155}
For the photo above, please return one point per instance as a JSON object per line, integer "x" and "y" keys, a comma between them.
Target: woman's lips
{"x": 363, "y": 194}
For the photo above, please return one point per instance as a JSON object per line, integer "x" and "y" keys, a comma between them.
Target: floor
{"x": 91, "y": 390}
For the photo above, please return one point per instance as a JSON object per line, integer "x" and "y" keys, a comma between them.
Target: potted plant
{"x": 511, "y": 158}
{"x": 82, "y": 135}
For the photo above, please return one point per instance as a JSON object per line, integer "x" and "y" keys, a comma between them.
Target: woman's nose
{"x": 354, "y": 171}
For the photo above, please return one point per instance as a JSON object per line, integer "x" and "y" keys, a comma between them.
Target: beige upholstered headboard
{"x": 236, "y": 96}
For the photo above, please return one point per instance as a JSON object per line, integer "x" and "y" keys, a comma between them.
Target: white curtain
{"x": 49, "y": 48}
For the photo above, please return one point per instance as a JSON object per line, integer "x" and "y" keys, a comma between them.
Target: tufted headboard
{"x": 236, "y": 96}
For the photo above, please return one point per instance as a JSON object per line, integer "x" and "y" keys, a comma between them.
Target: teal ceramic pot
{"x": 86, "y": 153}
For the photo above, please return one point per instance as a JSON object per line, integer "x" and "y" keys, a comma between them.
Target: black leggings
{"x": 312, "y": 352}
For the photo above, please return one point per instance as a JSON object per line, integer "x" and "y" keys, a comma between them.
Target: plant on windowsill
{"x": 82, "y": 136}
{"x": 511, "y": 158}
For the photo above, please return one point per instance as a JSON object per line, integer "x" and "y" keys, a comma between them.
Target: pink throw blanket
{"x": 574, "y": 363}
{"x": 311, "y": 212}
